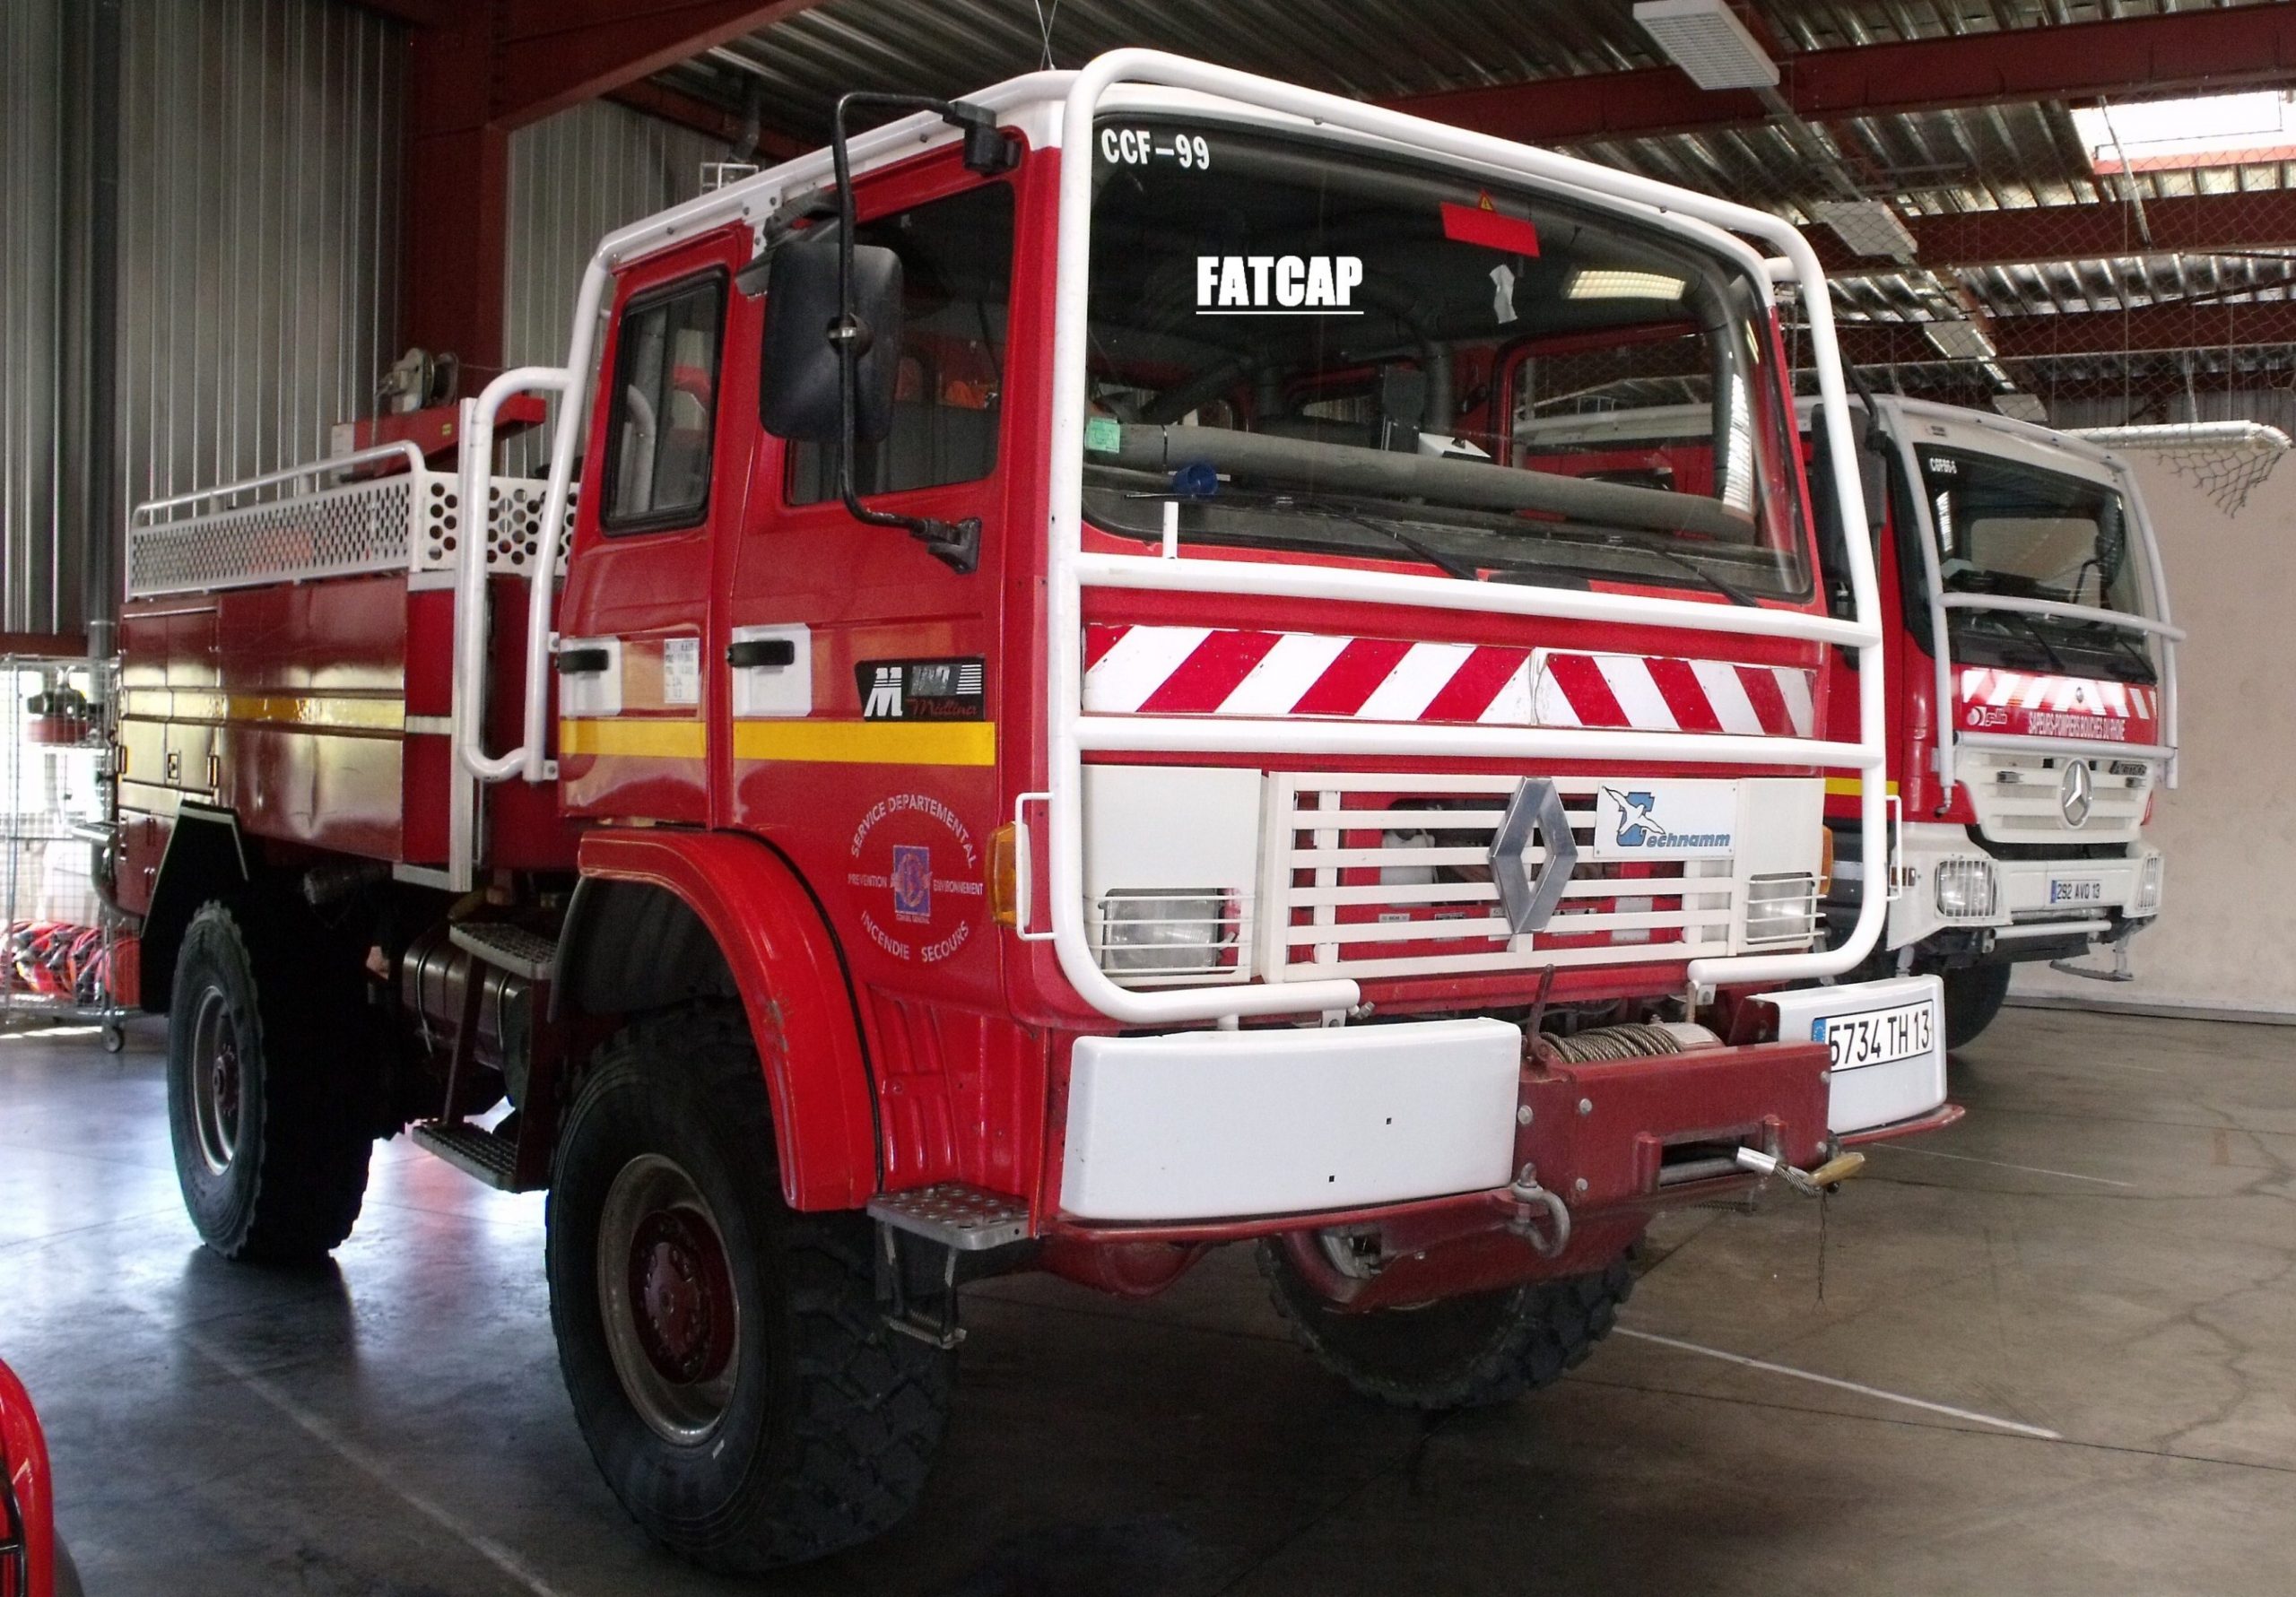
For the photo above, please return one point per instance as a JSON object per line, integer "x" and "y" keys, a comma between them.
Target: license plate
{"x": 2064, "y": 890}
{"x": 1877, "y": 1036}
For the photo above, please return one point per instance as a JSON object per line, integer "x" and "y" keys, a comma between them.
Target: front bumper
{"x": 2036, "y": 901}
{"x": 1251, "y": 1131}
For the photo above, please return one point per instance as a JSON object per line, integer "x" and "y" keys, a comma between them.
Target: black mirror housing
{"x": 797, "y": 395}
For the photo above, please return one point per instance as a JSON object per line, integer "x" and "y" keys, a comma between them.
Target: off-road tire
{"x": 290, "y": 1187}
{"x": 1464, "y": 1353}
{"x": 833, "y": 1419}
{"x": 1973, "y": 997}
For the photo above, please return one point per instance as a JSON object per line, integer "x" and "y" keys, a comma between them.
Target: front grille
{"x": 1389, "y": 876}
{"x": 2029, "y": 809}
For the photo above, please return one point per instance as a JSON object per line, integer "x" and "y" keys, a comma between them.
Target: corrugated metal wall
{"x": 259, "y": 227}
{"x": 36, "y": 592}
{"x": 260, "y": 152}
{"x": 574, "y": 179}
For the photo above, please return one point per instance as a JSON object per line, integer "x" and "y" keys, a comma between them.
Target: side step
{"x": 966, "y": 1218}
{"x": 489, "y": 1156}
{"x": 509, "y": 948}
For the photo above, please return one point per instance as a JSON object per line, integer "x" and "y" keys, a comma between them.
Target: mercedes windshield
{"x": 1319, "y": 350}
{"x": 2006, "y": 529}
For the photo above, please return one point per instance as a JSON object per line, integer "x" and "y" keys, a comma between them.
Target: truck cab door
{"x": 864, "y": 674}
{"x": 666, "y": 474}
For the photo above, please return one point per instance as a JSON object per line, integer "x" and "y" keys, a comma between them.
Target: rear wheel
{"x": 1973, "y": 997}
{"x": 271, "y": 1141}
{"x": 1458, "y": 1352}
{"x": 728, "y": 1361}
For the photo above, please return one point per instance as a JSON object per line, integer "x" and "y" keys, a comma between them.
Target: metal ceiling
{"x": 1934, "y": 164}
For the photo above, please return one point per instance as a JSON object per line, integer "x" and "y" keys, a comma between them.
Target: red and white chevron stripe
{"x": 1201, "y": 671}
{"x": 2036, "y": 703}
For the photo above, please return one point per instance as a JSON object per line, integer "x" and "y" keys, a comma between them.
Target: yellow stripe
{"x": 331, "y": 713}
{"x": 315, "y": 712}
{"x": 629, "y": 734}
{"x": 1849, "y": 787}
{"x": 868, "y": 742}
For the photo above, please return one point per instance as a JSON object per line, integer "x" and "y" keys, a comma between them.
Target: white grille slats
{"x": 1388, "y": 876}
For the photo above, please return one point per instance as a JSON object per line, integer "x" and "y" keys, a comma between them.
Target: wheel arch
{"x": 660, "y": 916}
{"x": 205, "y": 858}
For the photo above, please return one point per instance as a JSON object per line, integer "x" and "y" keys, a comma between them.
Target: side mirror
{"x": 798, "y": 398}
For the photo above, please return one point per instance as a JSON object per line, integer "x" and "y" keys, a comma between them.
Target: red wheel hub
{"x": 681, "y": 1296}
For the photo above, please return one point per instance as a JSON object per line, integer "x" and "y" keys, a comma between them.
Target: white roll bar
{"x": 1069, "y": 731}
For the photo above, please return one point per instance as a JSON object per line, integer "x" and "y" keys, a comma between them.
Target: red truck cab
{"x": 1068, "y": 733}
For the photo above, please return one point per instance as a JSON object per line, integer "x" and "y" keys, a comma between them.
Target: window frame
{"x": 716, "y": 280}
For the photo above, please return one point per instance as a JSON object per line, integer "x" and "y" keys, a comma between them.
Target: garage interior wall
{"x": 2226, "y": 937}
{"x": 259, "y": 227}
{"x": 574, "y": 177}
{"x": 39, "y": 592}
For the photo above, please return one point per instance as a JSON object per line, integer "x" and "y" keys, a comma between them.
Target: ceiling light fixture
{"x": 1603, "y": 283}
{"x": 1867, "y": 228}
{"x": 1707, "y": 41}
{"x": 1960, "y": 341}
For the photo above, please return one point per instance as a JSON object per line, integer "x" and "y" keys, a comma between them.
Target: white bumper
{"x": 1906, "y": 1010}
{"x": 1209, "y": 1124}
{"x": 2033, "y": 898}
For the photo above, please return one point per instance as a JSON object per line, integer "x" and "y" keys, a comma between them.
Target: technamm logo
{"x": 1277, "y": 284}
{"x": 1638, "y": 828}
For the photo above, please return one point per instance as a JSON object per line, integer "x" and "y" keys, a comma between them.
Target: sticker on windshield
{"x": 1139, "y": 146}
{"x": 1278, "y": 285}
{"x": 1484, "y": 223}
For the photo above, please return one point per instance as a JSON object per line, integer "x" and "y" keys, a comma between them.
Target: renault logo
{"x": 2076, "y": 792}
{"x": 1534, "y": 815}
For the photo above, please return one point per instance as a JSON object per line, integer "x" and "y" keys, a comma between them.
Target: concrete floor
{"x": 2055, "y": 1352}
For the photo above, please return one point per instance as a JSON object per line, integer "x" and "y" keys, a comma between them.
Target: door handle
{"x": 585, "y": 662}
{"x": 767, "y": 652}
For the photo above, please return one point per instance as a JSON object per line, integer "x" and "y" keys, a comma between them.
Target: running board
{"x": 966, "y": 1218}
{"x": 484, "y": 1155}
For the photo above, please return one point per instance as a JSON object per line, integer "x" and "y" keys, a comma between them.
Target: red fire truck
{"x": 33, "y": 1559}
{"x": 2024, "y": 591}
{"x": 1056, "y": 733}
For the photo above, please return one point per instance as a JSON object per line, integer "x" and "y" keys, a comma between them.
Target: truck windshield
{"x": 2017, "y": 531}
{"x": 1324, "y": 351}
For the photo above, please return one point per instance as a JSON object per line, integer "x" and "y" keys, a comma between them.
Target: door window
{"x": 665, "y": 408}
{"x": 956, "y": 258}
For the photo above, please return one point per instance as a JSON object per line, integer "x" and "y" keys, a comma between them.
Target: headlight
{"x": 1167, "y": 931}
{"x": 1782, "y": 908}
{"x": 1965, "y": 890}
{"x": 2148, "y": 885}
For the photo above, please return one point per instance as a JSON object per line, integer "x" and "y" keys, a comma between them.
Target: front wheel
{"x": 1973, "y": 997}
{"x": 1458, "y": 1352}
{"x": 728, "y": 1361}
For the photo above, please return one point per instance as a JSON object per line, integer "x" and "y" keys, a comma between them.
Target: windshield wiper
{"x": 1450, "y": 565}
{"x": 2004, "y": 618}
{"x": 2122, "y": 641}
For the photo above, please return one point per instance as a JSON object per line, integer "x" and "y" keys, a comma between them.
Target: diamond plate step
{"x": 955, "y": 1215}
{"x": 510, "y": 948}
{"x": 475, "y": 1150}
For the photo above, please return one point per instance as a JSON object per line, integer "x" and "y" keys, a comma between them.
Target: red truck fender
{"x": 785, "y": 966}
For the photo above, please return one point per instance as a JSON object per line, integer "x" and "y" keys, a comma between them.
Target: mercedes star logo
{"x": 2076, "y": 793}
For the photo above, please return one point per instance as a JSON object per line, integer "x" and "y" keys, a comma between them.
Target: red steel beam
{"x": 2147, "y": 58}
{"x": 2204, "y": 223}
{"x": 2147, "y": 329}
{"x": 492, "y": 65}
{"x": 559, "y": 53}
